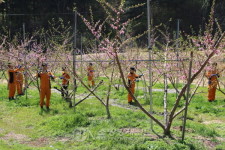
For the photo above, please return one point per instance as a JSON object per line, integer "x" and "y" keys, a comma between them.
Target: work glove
{"x": 209, "y": 82}
{"x": 61, "y": 77}
{"x": 19, "y": 66}
{"x": 39, "y": 71}
{"x": 52, "y": 77}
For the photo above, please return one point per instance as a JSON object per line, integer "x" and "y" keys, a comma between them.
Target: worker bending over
{"x": 45, "y": 86}
{"x": 212, "y": 76}
{"x": 90, "y": 75}
{"x": 65, "y": 82}
{"x": 131, "y": 82}
{"x": 12, "y": 80}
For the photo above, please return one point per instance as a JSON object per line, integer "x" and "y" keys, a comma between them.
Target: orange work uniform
{"x": 19, "y": 82}
{"x": 45, "y": 87}
{"x": 91, "y": 76}
{"x": 65, "y": 84}
{"x": 12, "y": 82}
{"x": 131, "y": 83}
{"x": 66, "y": 77}
{"x": 212, "y": 75}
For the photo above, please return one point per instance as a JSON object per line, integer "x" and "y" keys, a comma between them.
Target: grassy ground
{"x": 23, "y": 126}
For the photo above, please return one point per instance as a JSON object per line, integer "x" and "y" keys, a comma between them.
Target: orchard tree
{"x": 210, "y": 43}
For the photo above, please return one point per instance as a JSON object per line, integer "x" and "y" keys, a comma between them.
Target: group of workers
{"x": 212, "y": 75}
{"x": 15, "y": 82}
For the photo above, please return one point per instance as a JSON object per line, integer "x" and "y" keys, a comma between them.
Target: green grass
{"x": 86, "y": 126}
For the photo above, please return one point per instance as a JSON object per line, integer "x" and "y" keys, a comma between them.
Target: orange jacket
{"x": 12, "y": 74}
{"x": 90, "y": 71}
{"x": 45, "y": 79}
{"x": 65, "y": 80}
{"x": 131, "y": 79}
{"x": 212, "y": 75}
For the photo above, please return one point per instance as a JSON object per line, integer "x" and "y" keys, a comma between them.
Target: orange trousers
{"x": 91, "y": 81}
{"x": 45, "y": 93}
{"x": 129, "y": 97}
{"x": 212, "y": 91}
{"x": 12, "y": 90}
{"x": 19, "y": 87}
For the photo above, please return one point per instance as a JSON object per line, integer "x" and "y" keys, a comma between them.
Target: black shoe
{"x": 10, "y": 98}
{"x": 210, "y": 100}
{"x": 41, "y": 107}
{"x": 47, "y": 108}
{"x": 13, "y": 98}
{"x": 130, "y": 103}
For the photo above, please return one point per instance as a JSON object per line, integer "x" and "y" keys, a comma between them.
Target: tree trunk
{"x": 167, "y": 133}
{"x": 165, "y": 98}
{"x": 109, "y": 92}
{"x": 107, "y": 111}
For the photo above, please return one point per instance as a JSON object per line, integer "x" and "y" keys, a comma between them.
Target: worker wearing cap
{"x": 212, "y": 76}
{"x": 12, "y": 80}
{"x": 90, "y": 75}
{"x": 45, "y": 86}
{"x": 132, "y": 76}
{"x": 65, "y": 82}
{"x": 19, "y": 82}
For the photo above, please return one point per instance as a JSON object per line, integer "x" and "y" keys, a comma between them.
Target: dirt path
{"x": 23, "y": 139}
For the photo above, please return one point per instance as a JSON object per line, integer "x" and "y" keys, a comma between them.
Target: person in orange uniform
{"x": 12, "y": 80}
{"x": 132, "y": 76}
{"x": 45, "y": 86}
{"x": 90, "y": 75}
{"x": 65, "y": 82}
{"x": 212, "y": 76}
{"x": 19, "y": 82}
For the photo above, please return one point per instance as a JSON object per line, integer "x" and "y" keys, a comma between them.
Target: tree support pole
{"x": 150, "y": 58}
{"x": 25, "y": 61}
{"x": 177, "y": 52}
{"x": 74, "y": 57}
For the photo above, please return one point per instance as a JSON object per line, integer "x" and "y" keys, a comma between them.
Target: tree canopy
{"x": 193, "y": 14}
